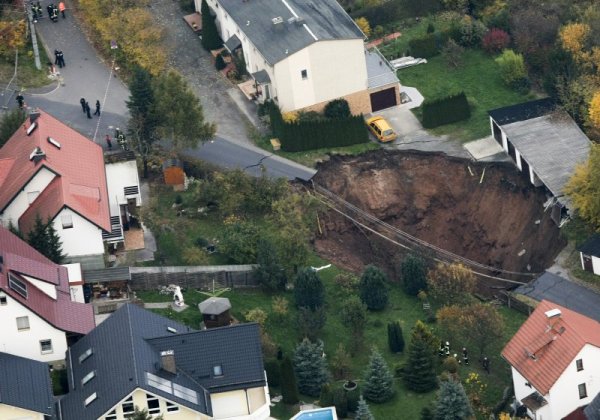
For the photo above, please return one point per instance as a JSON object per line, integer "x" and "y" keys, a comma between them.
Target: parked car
{"x": 381, "y": 129}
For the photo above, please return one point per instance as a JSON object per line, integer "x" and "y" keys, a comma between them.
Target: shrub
{"x": 430, "y": 28}
{"x": 471, "y": 31}
{"x": 256, "y": 315}
{"x": 353, "y": 396}
{"x": 201, "y": 242}
{"x": 308, "y": 289}
{"x": 340, "y": 401}
{"x": 338, "y": 108}
{"x": 326, "y": 397}
{"x": 453, "y": 54}
{"x": 178, "y": 199}
{"x": 280, "y": 306}
{"x": 269, "y": 271}
{"x": 414, "y": 276}
{"x": 347, "y": 282}
{"x": 273, "y": 372}
{"x": 220, "y": 63}
{"x": 289, "y": 389}
{"x": 445, "y": 110}
{"x": 451, "y": 364}
{"x": 495, "y": 40}
{"x": 512, "y": 66}
{"x": 395, "y": 337}
{"x": 373, "y": 288}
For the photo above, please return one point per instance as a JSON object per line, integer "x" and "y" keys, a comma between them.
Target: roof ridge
{"x": 129, "y": 327}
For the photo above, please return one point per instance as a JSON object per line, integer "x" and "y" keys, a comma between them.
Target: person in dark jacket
{"x": 97, "y": 112}
{"x": 82, "y": 102}
{"x": 20, "y": 100}
{"x": 87, "y": 109}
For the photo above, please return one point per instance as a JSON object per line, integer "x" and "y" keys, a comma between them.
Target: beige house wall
{"x": 8, "y": 412}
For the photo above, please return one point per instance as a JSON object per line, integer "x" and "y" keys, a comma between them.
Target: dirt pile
{"x": 436, "y": 198}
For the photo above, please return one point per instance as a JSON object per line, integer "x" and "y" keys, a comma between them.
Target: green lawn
{"x": 404, "y": 308}
{"x": 28, "y": 76}
{"x": 478, "y": 77}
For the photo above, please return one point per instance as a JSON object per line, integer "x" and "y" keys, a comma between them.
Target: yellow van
{"x": 381, "y": 129}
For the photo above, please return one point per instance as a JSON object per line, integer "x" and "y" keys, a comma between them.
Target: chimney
{"x": 553, "y": 313}
{"x": 37, "y": 155}
{"x": 34, "y": 115}
{"x": 167, "y": 361}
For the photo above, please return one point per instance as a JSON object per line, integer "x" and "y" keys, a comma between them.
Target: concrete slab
{"x": 483, "y": 148}
{"x": 414, "y": 96}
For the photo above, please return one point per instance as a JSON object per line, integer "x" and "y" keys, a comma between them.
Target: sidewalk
{"x": 85, "y": 75}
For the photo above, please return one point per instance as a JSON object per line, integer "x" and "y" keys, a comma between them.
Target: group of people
{"x": 120, "y": 137}
{"x": 85, "y": 106}
{"x": 52, "y": 9}
{"x": 59, "y": 58}
{"x": 444, "y": 351}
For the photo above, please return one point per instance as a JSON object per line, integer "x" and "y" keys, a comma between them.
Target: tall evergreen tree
{"x": 373, "y": 288}
{"x": 10, "y": 122}
{"x": 419, "y": 371}
{"x": 289, "y": 389}
{"x": 310, "y": 367}
{"x": 414, "y": 275}
{"x": 363, "y": 412}
{"x": 55, "y": 252}
{"x": 270, "y": 273}
{"x": 395, "y": 337}
{"x": 45, "y": 240}
{"x": 308, "y": 289}
{"x": 210, "y": 34}
{"x": 452, "y": 402}
{"x": 379, "y": 381}
{"x": 144, "y": 120}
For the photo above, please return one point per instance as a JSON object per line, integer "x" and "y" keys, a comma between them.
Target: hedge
{"x": 429, "y": 45}
{"x": 441, "y": 111}
{"x": 309, "y": 135}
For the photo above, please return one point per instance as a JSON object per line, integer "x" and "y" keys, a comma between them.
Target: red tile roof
{"x": 21, "y": 259}
{"x": 543, "y": 348}
{"x": 78, "y": 162}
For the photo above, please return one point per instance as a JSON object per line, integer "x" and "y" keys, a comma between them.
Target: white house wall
{"x": 48, "y": 288}
{"x": 75, "y": 282}
{"x": 118, "y": 176}
{"x": 84, "y": 238}
{"x": 17, "y": 207}
{"x": 248, "y": 404}
{"x": 26, "y": 343}
{"x": 8, "y": 412}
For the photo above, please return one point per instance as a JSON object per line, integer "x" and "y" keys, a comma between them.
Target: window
{"x": 46, "y": 346}
{"x": 582, "y": 391}
{"x": 3, "y": 299}
{"x": 217, "y": 370}
{"x": 85, "y": 355}
{"x": 128, "y": 407}
{"x": 90, "y": 399}
{"x": 67, "y": 221}
{"x": 112, "y": 415}
{"x": 579, "y": 363}
{"x": 304, "y": 74}
{"x": 22, "y": 323}
{"x": 172, "y": 408}
{"x": 31, "y": 196}
{"x": 153, "y": 404}
{"x": 17, "y": 285}
{"x": 88, "y": 377}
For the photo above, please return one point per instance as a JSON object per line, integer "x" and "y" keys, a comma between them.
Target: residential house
{"x": 555, "y": 362}
{"x": 303, "y": 54}
{"x": 589, "y": 253}
{"x": 40, "y": 314}
{"x": 138, "y": 358}
{"x": 545, "y": 144}
{"x": 25, "y": 389}
{"x": 49, "y": 170}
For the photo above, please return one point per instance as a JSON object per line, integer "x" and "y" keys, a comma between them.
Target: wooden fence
{"x": 509, "y": 300}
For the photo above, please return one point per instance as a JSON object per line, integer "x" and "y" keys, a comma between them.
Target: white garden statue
{"x": 177, "y": 295}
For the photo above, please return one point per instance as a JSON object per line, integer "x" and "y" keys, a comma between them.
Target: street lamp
{"x": 114, "y": 46}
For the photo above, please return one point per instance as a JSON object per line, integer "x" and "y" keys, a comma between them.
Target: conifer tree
{"x": 395, "y": 337}
{"x": 289, "y": 389}
{"x": 363, "y": 412}
{"x": 210, "y": 35}
{"x": 373, "y": 288}
{"x": 55, "y": 252}
{"x": 414, "y": 275}
{"x": 452, "y": 402}
{"x": 308, "y": 289}
{"x": 310, "y": 367}
{"x": 270, "y": 273}
{"x": 45, "y": 240}
{"x": 379, "y": 382}
{"x": 419, "y": 372}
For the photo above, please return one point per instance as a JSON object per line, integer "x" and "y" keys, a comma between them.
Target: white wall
{"x": 243, "y": 404}
{"x": 595, "y": 264}
{"x": 48, "y": 288}
{"x": 84, "y": 238}
{"x": 8, "y": 412}
{"x": 75, "y": 282}
{"x": 118, "y": 176}
{"x": 26, "y": 343}
{"x": 21, "y": 202}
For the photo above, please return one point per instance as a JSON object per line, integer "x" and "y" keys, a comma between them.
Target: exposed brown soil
{"x": 435, "y": 198}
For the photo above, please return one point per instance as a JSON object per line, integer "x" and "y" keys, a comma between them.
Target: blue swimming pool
{"x": 319, "y": 414}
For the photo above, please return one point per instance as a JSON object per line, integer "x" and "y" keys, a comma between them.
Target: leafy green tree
{"x": 289, "y": 389}
{"x": 419, "y": 371}
{"x": 452, "y": 402}
{"x": 414, "y": 275}
{"x": 512, "y": 67}
{"x": 182, "y": 117}
{"x": 310, "y": 367}
{"x": 310, "y": 322}
{"x": 363, "y": 412}
{"x": 143, "y": 415}
{"x": 584, "y": 188}
{"x": 210, "y": 34}
{"x": 144, "y": 120}
{"x": 341, "y": 362}
{"x": 354, "y": 316}
{"x": 239, "y": 240}
{"x": 270, "y": 273}
{"x": 379, "y": 381}
{"x": 308, "y": 289}
{"x": 44, "y": 239}
{"x": 338, "y": 108}
{"x": 451, "y": 283}
{"x": 373, "y": 288}
{"x": 395, "y": 337}
{"x": 10, "y": 122}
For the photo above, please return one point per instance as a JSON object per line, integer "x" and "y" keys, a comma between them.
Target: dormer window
{"x": 217, "y": 370}
{"x": 85, "y": 355}
{"x": 17, "y": 285}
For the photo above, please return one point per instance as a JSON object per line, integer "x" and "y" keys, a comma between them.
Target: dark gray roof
{"x": 523, "y": 111}
{"x": 233, "y": 43}
{"x": 552, "y": 144}
{"x": 592, "y": 411}
{"x": 565, "y": 293}
{"x": 126, "y": 348}
{"x": 302, "y": 23}
{"x": 26, "y": 384}
{"x": 591, "y": 246}
{"x": 379, "y": 71}
{"x": 261, "y": 77}
{"x": 106, "y": 274}
{"x": 214, "y": 306}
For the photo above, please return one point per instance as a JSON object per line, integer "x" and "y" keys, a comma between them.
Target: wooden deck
{"x": 194, "y": 21}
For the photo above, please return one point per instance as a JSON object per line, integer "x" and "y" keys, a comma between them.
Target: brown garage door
{"x": 383, "y": 99}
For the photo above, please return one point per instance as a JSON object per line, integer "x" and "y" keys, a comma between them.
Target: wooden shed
{"x": 173, "y": 172}
{"x": 215, "y": 312}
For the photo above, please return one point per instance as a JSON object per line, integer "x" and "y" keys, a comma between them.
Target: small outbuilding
{"x": 589, "y": 253}
{"x": 215, "y": 312}
{"x": 173, "y": 172}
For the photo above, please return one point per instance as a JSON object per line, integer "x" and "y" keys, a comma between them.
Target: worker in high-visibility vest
{"x": 61, "y": 8}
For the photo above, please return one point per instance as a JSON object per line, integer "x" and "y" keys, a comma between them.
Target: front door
{"x": 587, "y": 263}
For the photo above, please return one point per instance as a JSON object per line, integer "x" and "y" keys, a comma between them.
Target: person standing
{"x": 61, "y": 59}
{"x": 87, "y": 109}
{"x": 54, "y": 13}
{"x": 82, "y": 102}
{"x": 56, "y": 60}
{"x": 108, "y": 142}
{"x": 49, "y": 10}
{"x": 39, "y": 10}
{"x": 61, "y": 8}
{"x": 97, "y": 112}
{"x": 20, "y": 100}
